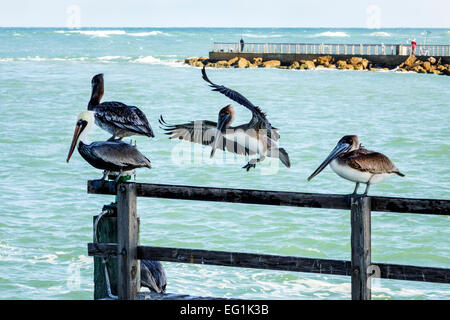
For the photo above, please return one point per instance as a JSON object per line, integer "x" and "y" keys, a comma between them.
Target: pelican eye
{"x": 82, "y": 123}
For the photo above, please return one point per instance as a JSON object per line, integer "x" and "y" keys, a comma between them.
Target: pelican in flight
{"x": 117, "y": 156}
{"x": 353, "y": 162}
{"x": 116, "y": 117}
{"x": 256, "y": 137}
{"x": 153, "y": 276}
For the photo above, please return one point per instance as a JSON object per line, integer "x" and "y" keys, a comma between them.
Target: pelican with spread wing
{"x": 257, "y": 137}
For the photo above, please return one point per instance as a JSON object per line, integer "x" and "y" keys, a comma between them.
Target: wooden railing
{"x": 124, "y": 247}
{"x": 331, "y": 48}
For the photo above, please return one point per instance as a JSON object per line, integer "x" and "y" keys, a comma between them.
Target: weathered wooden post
{"x": 361, "y": 247}
{"x": 106, "y": 232}
{"x": 127, "y": 242}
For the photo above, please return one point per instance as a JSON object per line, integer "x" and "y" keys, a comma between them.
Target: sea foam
{"x": 380, "y": 34}
{"x": 331, "y": 34}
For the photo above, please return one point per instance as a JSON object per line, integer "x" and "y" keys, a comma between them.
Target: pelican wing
{"x": 369, "y": 161}
{"x": 153, "y": 276}
{"x": 122, "y": 116}
{"x": 119, "y": 153}
{"x": 239, "y": 98}
{"x": 203, "y": 132}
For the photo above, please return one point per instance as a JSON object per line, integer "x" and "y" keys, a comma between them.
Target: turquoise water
{"x": 46, "y": 214}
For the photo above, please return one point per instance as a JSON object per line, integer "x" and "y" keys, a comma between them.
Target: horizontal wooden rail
{"x": 274, "y": 262}
{"x": 280, "y": 198}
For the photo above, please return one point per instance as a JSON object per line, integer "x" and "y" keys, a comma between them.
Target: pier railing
{"x": 331, "y": 48}
{"x": 120, "y": 237}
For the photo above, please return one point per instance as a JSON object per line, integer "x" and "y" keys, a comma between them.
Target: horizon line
{"x": 223, "y": 27}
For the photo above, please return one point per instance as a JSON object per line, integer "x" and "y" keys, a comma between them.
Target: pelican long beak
{"x": 78, "y": 129}
{"x": 220, "y": 129}
{"x": 338, "y": 150}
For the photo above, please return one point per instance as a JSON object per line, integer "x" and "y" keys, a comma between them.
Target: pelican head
{"x": 98, "y": 88}
{"x": 346, "y": 144}
{"x": 225, "y": 118}
{"x": 83, "y": 126}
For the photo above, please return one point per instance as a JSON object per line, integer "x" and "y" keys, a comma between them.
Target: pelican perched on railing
{"x": 352, "y": 162}
{"x": 256, "y": 137}
{"x": 116, "y": 117}
{"x": 117, "y": 156}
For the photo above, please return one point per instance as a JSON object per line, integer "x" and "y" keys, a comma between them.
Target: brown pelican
{"x": 115, "y": 117}
{"x": 117, "y": 156}
{"x": 153, "y": 276}
{"x": 352, "y": 162}
{"x": 254, "y": 138}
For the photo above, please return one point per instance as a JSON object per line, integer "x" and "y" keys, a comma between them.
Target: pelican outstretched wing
{"x": 120, "y": 115}
{"x": 239, "y": 98}
{"x": 202, "y": 132}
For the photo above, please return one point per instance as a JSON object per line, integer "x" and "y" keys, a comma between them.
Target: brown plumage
{"x": 370, "y": 161}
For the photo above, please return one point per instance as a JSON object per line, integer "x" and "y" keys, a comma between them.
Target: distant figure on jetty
{"x": 413, "y": 47}
{"x": 242, "y": 44}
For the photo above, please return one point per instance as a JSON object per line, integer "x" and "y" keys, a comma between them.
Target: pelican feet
{"x": 249, "y": 165}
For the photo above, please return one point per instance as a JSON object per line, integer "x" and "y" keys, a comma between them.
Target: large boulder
{"x": 190, "y": 61}
{"x": 198, "y": 64}
{"x": 428, "y": 67}
{"x": 294, "y": 65}
{"x": 257, "y": 61}
{"x": 243, "y": 63}
{"x": 431, "y": 60}
{"x": 271, "y": 64}
{"x": 341, "y": 64}
{"x": 325, "y": 60}
{"x": 231, "y": 62}
{"x": 410, "y": 61}
{"x": 307, "y": 64}
{"x": 355, "y": 60}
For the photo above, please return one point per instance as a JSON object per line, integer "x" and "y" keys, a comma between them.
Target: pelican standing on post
{"x": 353, "y": 162}
{"x": 114, "y": 155}
{"x": 256, "y": 137}
{"x": 116, "y": 117}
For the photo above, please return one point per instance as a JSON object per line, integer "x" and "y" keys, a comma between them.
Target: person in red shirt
{"x": 413, "y": 47}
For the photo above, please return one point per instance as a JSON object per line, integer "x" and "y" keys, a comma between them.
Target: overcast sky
{"x": 230, "y": 13}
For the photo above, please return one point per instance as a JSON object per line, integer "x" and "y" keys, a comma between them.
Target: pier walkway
{"x": 388, "y": 54}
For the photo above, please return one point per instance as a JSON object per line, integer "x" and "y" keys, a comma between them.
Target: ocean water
{"x": 46, "y": 213}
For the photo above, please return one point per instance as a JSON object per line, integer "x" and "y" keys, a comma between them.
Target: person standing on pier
{"x": 242, "y": 44}
{"x": 413, "y": 47}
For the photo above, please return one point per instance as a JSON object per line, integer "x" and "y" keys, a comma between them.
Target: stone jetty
{"x": 412, "y": 64}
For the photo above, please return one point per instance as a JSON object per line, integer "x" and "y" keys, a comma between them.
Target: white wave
{"x": 331, "y": 34}
{"x": 249, "y": 35}
{"x": 107, "y": 33}
{"x": 146, "y": 34}
{"x": 153, "y": 60}
{"x": 112, "y": 58}
{"x": 94, "y": 33}
{"x": 380, "y": 34}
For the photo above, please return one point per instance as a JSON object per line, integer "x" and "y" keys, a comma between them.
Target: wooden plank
{"x": 280, "y": 198}
{"x": 127, "y": 241}
{"x": 245, "y": 260}
{"x": 106, "y": 232}
{"x": 387, "y": 271}
{"x": 360, "y": 247}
